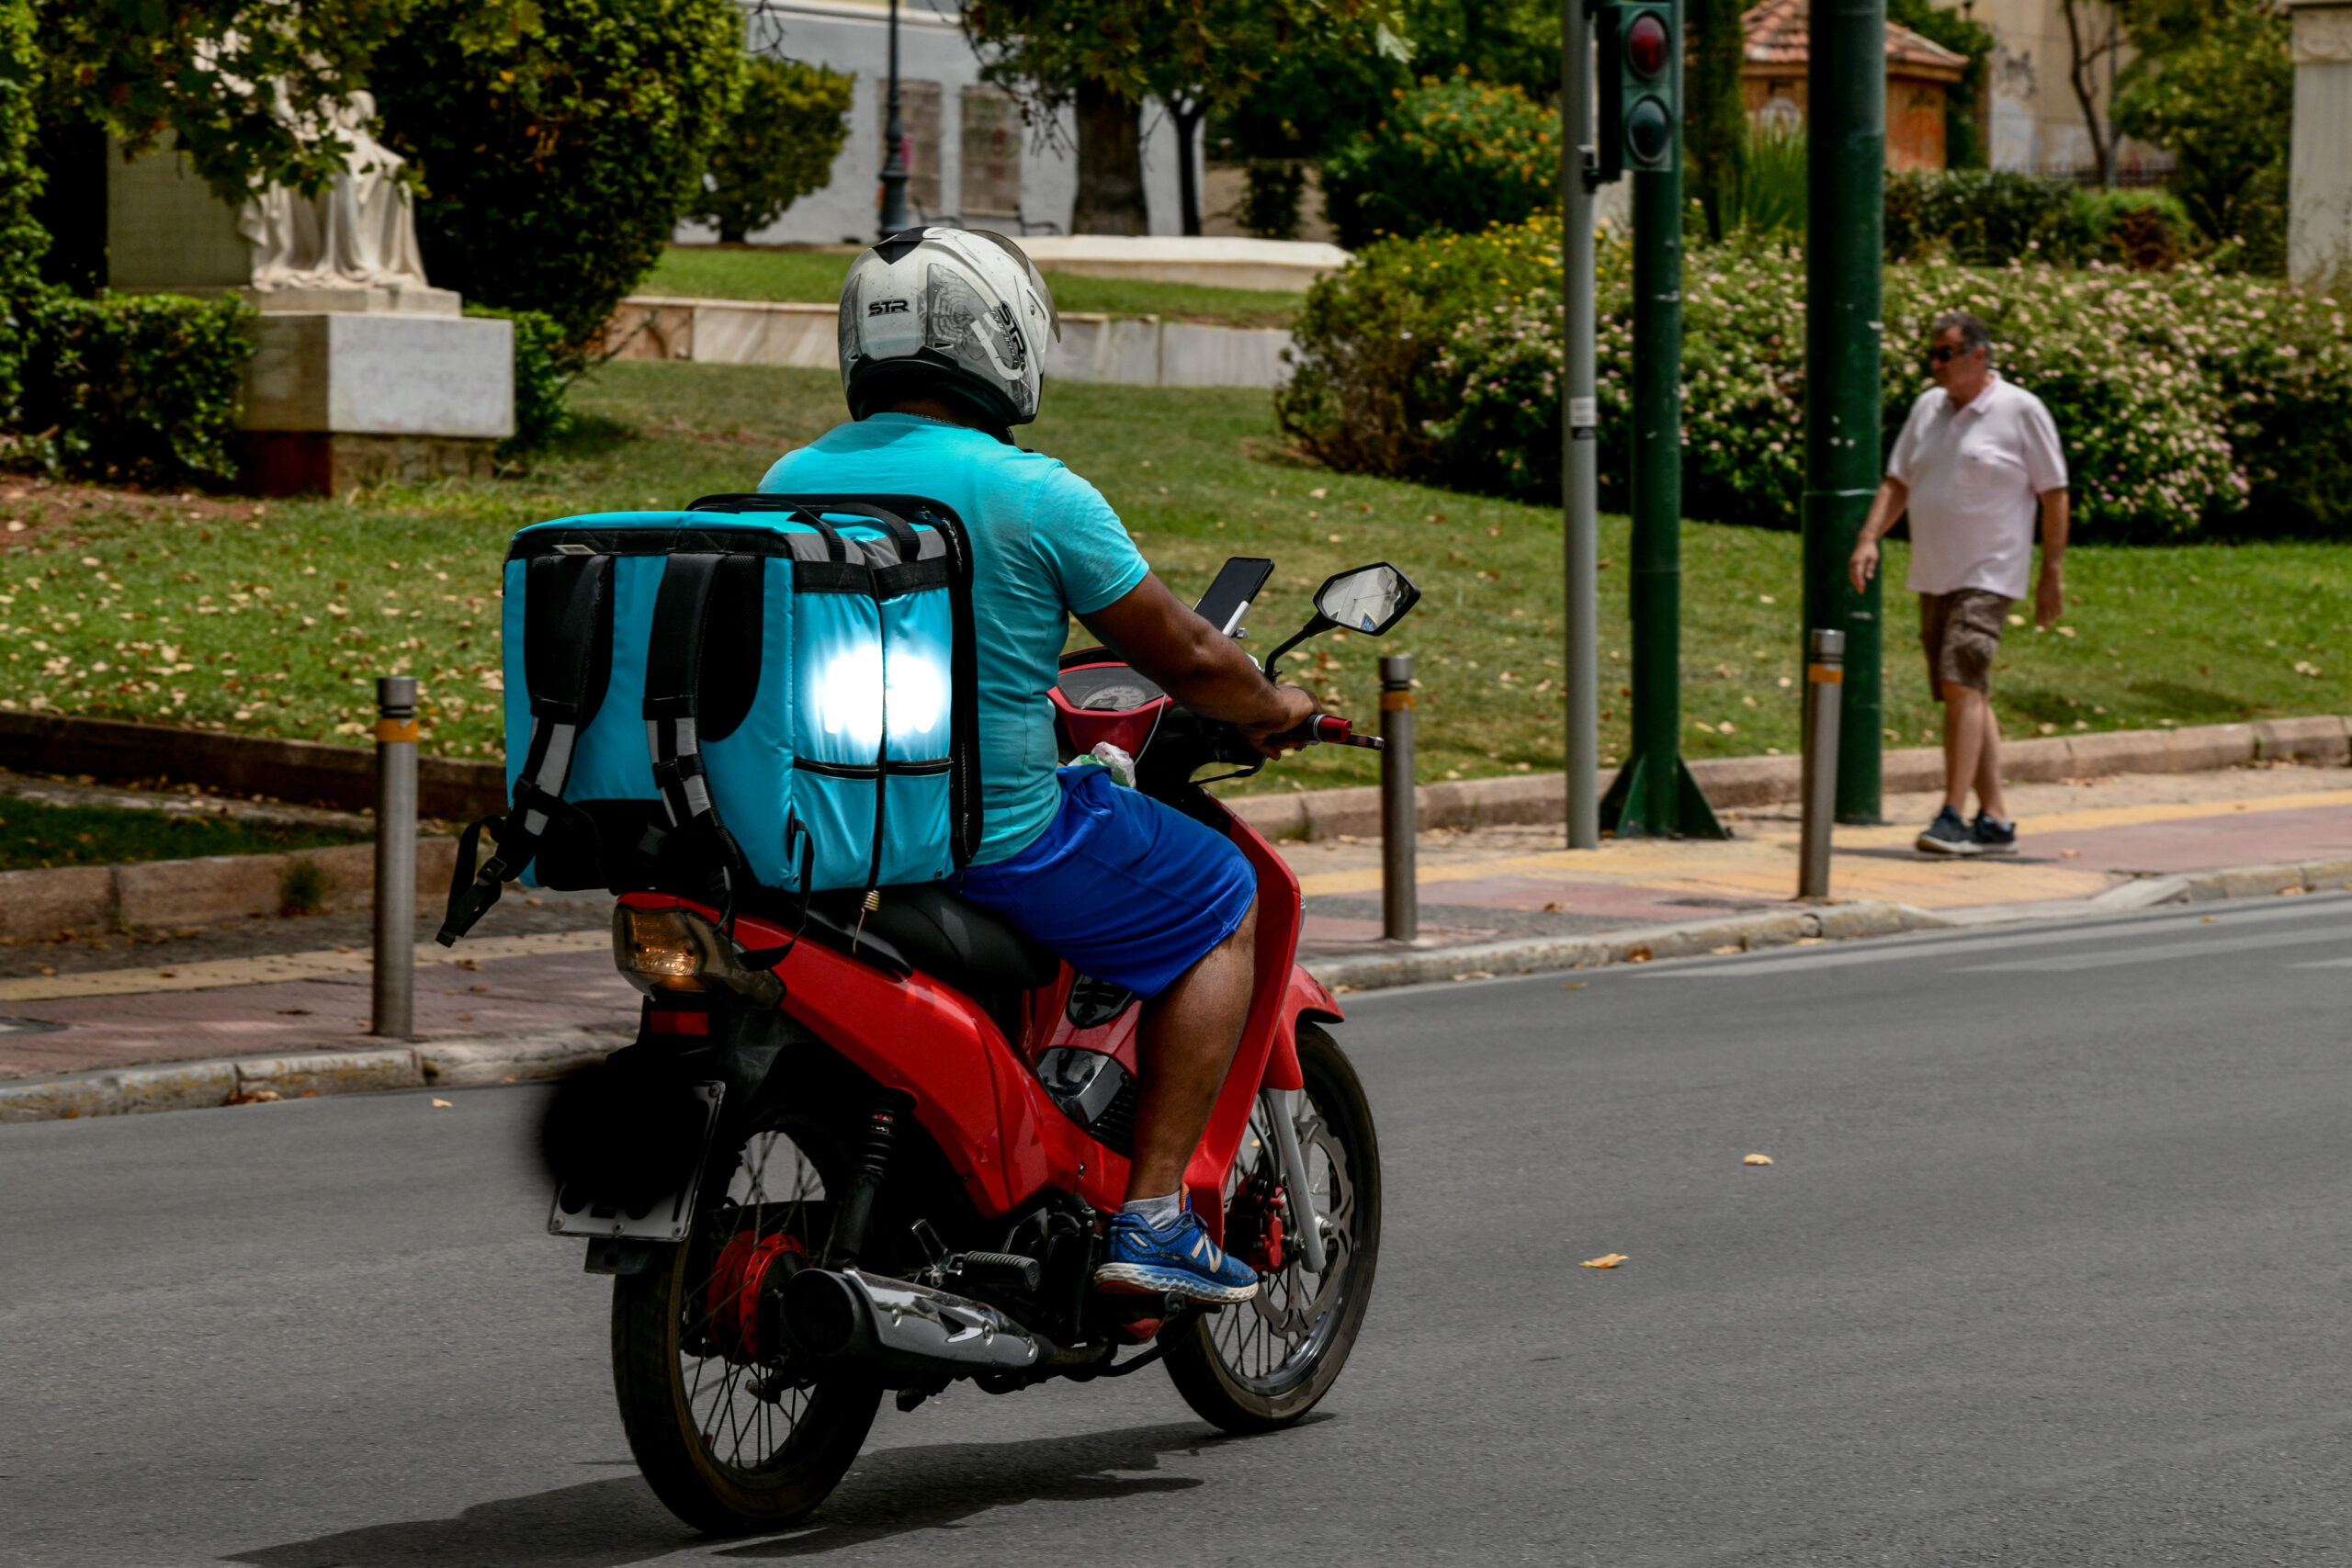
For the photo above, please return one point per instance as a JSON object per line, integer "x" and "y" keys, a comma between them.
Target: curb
{"x": 309, "y": 771}
{"x": 1733, "y": 782}
{"x": 246, "y": 1080}
{"x": 1636, "y": 944}
{"x": 454, "y": 1063}
{"x": 37, "y": 904}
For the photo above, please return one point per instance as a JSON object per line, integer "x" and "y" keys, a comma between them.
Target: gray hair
{"x": 1974, "y": 333}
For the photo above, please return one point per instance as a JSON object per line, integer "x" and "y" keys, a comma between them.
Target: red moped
{"x": 870, "y": 1144}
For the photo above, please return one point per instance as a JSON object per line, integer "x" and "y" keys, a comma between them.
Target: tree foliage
{"x": 1458, "y": 154}
{"x": 780, "y": 146}
{"x": 244, "y": 87}
{"x": 20, "y": 237}
{"x": 2213, "y": 86}
{"x": 557, "y": 157}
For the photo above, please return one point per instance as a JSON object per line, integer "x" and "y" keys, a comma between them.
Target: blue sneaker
{"x": 1947, "y": 835}
{"x": 1179, "y": 1261}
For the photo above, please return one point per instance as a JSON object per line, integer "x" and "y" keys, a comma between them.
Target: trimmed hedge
{"x": 1457, "y": 154}
{"x": 2186, "y": 400}
{"x": 1981, "y": 218}
{"x": 542, "y": 378}
{"x": 138, "y": 388}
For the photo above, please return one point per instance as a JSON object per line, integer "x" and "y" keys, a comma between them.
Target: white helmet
{"x": 960, "y": 311}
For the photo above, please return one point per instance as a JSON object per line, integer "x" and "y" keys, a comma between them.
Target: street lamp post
{"x": 894, "y": 151}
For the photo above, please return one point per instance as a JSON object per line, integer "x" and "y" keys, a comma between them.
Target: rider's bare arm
{"x": 1197, "y": 664}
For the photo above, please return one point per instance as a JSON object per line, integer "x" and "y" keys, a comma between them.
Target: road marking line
{"x": 2144, "y": 929}
{"x": 215, "y": 974}
{"x": 2156, "y": 954}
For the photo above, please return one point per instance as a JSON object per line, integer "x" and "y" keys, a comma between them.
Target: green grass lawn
{"x": 277, "y": 622}
{"x": 701, "y": 272}
{"x": 34, "y": 835}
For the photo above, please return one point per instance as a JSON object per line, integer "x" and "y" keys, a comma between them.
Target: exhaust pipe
{"x": 894, "y": 1324}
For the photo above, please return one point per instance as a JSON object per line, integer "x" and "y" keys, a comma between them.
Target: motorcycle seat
{"x": 956, "y": 942}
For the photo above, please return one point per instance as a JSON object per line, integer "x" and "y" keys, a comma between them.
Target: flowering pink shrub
{"x": 2188, "y": 399}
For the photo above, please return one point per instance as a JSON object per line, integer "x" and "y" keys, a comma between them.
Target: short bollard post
{"x": 1400, "y": 907}
{"x": 1824, "y": 676}
{"x": 395, "y": 1001}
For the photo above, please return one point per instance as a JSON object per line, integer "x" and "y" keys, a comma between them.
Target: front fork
{"x": 1281, "y": 1109}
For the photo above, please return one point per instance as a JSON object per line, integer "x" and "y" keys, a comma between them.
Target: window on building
{"x": 991, "y": 173}
{"x": 918, "y": 122}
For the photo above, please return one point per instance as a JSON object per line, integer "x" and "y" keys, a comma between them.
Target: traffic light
{"x": 1641, "y": 88}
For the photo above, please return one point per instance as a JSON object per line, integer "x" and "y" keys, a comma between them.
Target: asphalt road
{"x": 2050, "y": 1268}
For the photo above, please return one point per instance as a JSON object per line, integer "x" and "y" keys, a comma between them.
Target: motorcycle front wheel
{"x": 1263, "y": 1363}
{"x": 732, "y": 1438}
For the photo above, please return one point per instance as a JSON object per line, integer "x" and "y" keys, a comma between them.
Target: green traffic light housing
{"x": 1641, "y": 84}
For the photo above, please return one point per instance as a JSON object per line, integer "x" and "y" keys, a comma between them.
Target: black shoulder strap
{"x": 567, "y": 664}
{"x": 674, "y": 687}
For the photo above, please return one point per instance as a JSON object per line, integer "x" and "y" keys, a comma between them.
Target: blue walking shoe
{"x": 1179, "y": 1261}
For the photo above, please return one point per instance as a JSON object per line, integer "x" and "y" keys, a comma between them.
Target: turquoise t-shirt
{"x": 1046, "y": 545}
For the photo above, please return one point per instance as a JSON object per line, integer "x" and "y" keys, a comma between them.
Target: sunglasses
{"x": 1944, "y": 355}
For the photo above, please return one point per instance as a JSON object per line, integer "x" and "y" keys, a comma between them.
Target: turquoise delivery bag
{"x": 757, "y": 694}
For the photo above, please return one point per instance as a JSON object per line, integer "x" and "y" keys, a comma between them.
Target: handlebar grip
{"x": 1329, "y": 729}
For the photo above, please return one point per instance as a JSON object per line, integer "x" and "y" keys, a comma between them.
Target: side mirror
{"x": 1368, "y": 599}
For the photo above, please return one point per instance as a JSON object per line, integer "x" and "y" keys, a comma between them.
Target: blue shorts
{"x": 1120, "y": 886}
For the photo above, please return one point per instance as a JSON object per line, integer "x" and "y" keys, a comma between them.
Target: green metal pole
{"x": 1846, "y": 175}
{"x": 1656, "y": 578}
{"x": 1653, "y": 795}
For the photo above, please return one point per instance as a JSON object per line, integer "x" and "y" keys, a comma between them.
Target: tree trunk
{"x": 1718, "y": 124}
{"x": 2083, "y": 52}
{"x": 1187, "y": 120}
{"x": 1110, "y": 164}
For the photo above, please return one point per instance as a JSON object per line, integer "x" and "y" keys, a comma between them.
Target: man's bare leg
{"x": 1966, "y": 712}
{"x": 1185, "y": 1046}
{"x": 1988, "y": 763}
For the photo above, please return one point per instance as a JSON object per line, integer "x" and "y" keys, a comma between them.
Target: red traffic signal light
{"x": 1646, "y": 45}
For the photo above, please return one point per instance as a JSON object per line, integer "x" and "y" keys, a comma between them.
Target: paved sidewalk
{"x": 543, "y": 971}
{"x": 2075, "y": 841}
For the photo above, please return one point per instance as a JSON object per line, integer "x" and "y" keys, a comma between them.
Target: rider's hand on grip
{"x": 1286, "y": 733}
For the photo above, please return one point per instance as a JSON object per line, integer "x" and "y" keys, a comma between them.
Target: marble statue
{"x": 359, "y": 233}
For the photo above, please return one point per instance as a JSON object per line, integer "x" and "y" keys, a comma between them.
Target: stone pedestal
{"x": 350, "y": 384}
{"x": 2318, "y": 218}
{"x": 337, "y": 399}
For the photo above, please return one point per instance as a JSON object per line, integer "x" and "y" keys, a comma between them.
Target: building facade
{"x": 970, "y": 158}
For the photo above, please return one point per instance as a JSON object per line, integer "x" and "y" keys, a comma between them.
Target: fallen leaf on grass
{"x": 1758, "y": 1159}
{"x": 1606, "y": 1260}
{"x": 444, "y": 1104}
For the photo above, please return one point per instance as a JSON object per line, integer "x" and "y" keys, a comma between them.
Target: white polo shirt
{"x": 1976, "y": 475}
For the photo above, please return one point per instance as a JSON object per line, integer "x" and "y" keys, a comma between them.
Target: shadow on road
{"x": 606, "y": 1524}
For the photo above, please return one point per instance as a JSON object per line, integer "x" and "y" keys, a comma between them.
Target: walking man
{"x": 1977, "y": 460}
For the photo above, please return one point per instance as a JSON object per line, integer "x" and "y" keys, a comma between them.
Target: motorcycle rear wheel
{"x": 1264, "y": 1364}
{"x": 729, "y": 1446}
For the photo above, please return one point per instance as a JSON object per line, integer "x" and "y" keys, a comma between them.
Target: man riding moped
{"x": 942, "y": 336}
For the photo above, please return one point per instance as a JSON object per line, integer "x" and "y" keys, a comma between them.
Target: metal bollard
{"x": 1824, "y": 677}
{"x": 395, "y": 999}
{"x": 1400, "y": 906}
